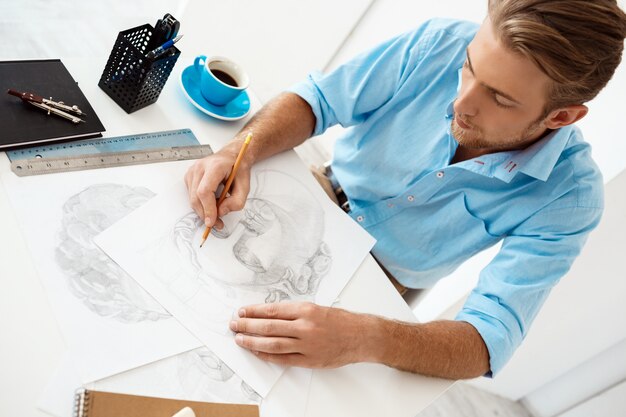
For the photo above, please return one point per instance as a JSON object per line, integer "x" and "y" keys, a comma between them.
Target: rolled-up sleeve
{"x": 347, "y": 95}
{"x": 515, "y": 284}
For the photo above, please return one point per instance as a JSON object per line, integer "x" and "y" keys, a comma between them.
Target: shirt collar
{"x": 537, "y": 160}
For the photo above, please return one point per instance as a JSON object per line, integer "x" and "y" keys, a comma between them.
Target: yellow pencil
{"x": 229, "y": 181}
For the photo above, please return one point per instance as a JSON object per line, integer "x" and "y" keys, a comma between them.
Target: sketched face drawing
{"x": 273, "y": 245}
{"x": 202, "y": 375}
{"x": 93, "y": 277}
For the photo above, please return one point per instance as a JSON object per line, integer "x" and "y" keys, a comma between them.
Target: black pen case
{"x": 129, "y": 78}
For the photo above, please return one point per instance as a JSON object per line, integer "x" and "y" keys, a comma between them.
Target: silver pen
{"x": 52, "y": 107}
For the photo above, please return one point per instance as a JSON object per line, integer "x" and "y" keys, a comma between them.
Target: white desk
{"x": 278, "y": 41}
{"x": 31, "y": 347}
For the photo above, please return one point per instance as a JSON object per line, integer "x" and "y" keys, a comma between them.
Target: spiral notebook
{"x": 89, "y": 403}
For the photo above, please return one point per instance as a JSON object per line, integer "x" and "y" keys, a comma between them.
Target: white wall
{"x": 611, "y": 403}
{"x": 582, "y": 383}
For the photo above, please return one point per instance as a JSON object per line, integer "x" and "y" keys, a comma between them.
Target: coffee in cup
{"x": 221, "y": 80}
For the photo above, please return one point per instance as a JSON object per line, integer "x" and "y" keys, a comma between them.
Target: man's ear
{"x": 565, "y": 116}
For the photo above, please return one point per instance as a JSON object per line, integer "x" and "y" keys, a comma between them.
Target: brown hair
{"x": 577, "y": 43}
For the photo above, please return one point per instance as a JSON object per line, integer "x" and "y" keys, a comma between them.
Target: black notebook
{"x": 22, "y": 123}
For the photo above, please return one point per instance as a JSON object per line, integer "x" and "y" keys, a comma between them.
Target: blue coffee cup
{"x": 221, "y": 80}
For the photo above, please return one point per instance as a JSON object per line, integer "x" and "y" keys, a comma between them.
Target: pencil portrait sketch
{"x": 101, "y": 285}
{"x": 273, "y": 246}
{"x": 202, "y": 375}
{"x": 272, "y": 250}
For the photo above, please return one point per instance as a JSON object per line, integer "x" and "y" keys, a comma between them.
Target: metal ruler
{"x": 145, "y": 141}
{"x": 38, "y": 166}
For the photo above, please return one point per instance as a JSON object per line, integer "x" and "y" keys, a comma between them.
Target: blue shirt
{"x": 429, "y": 215}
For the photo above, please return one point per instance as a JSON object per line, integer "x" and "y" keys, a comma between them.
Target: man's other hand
{"x": 302, "y": 334}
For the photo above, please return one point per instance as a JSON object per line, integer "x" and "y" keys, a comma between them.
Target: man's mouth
{"x": 461, "y": 123}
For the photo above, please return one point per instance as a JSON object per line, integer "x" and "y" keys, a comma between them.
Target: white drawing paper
{"x": 197, "y": 375}
{"x": 109, "y": 323}
{"x": 290, "y": 242}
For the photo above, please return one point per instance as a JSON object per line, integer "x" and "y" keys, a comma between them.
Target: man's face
{"x": 502, "y": 97}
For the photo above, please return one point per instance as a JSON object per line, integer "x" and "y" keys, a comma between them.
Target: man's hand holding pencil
{"x": 204, "y": 177}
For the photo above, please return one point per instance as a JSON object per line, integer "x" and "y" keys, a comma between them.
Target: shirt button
{"x": 360, "y": 219}
{"x": 411, "y": 198}
{"x": 440, "y": 174}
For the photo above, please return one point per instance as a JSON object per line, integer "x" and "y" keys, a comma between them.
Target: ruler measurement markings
{"x": 145, "y": 141}
{"x": 96, "y": 161}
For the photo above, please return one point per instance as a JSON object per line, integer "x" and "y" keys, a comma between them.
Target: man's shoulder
{"x": 439, "y": 43}
{"x": 577, "y": 159}
{"x": 449, "y": 29}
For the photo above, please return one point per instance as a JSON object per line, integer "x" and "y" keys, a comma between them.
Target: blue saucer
{"x": 236, "y": 109}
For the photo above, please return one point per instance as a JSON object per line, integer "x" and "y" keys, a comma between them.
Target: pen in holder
{"x": 131, "y": 79}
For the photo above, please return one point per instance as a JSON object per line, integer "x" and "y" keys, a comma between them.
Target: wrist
{"x": 233, "y": 148}
{"x": 372, "y": 339}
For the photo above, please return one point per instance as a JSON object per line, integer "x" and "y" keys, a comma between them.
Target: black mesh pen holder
{"x": 129, "y": 78}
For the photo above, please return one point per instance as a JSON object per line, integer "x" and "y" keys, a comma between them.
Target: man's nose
{"x": 467, "y": 100}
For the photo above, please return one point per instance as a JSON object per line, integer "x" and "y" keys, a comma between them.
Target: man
{"x": 461, "y": 136}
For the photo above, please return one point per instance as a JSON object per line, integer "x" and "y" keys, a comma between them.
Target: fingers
{"x": 219, "y": 224}
{"x": 264, "y": 327}
{"x": 286, "y": 359}
{"x": 238, "y": 194}
{"x": 191, "y": 181}
{"x": 285, "y": 310}
{"x": 205, "y": 192}
{"x": 203, "y": 179}
{"x": 274, "y": 345}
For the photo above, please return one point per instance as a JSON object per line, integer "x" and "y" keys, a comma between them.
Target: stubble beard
{"x": 475, "y": 138}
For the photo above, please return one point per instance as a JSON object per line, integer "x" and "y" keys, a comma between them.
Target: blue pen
{"x": 158, "y": 51}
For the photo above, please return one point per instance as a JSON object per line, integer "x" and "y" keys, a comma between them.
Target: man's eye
{"x": 500, "y": 102}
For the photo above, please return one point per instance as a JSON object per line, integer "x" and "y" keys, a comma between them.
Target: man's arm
{"x": 445, "y": 349}
{"x": 283, "y": 123}
{"x": 308, "y": 335}
{"x": 493, "y": 322}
